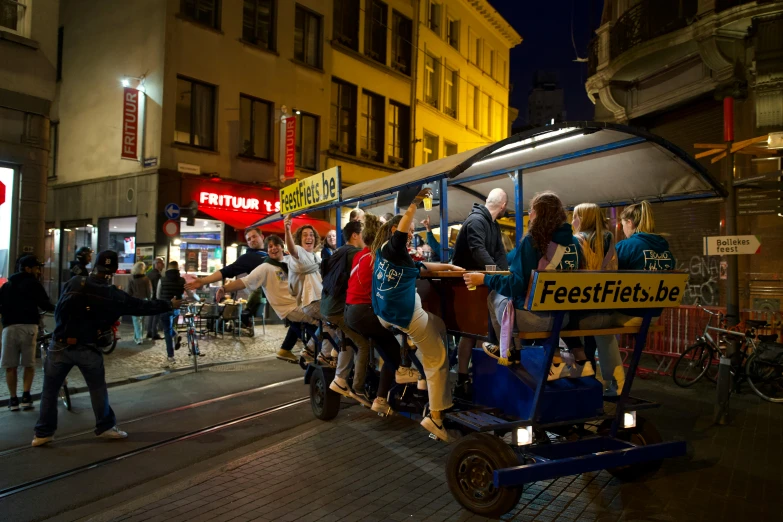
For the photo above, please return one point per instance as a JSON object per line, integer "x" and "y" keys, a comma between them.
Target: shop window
{"x": 451, "y": 93}
{"x": 452, "y": 33}
{"x": 205, "y": 12}
{"x": 258, "y": 23}
{"x": 307, "y": 141}
{"x": 15, "y": 17}
{"x": 119, "y": 234}
{"x": 342, "y": 122}
{"x": 430, "y": 148}
{"x": 431, "y": 80}
{"x": 199, "y": 250}
{"x": 399, "y": 118}
{"x": 8, "y": 178}
{"x": 195, "y": 114}
{"x": 402, "y": 33}
{"x": 376, "y": 21}
{"x": 371, "y": 126}
{"x": 434, "y": 16}
{"x": 346, "y": 23}
{"x": 307, "y": 37}
{"x": 255, "y": 120}
{"x": 449, "y": 148}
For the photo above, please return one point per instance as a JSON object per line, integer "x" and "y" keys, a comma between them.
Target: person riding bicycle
{"x": 84, "y": 315}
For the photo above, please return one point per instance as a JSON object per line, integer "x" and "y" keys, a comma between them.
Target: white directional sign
{"x": 731, "y": 245}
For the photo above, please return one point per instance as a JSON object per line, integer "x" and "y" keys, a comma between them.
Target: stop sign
{"x": 2, "y": 192}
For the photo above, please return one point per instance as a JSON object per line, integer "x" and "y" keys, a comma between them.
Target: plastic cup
{"x": 428, "y": 204}
{"x": 491, "y": 268}
{"x": 471, "y": 287}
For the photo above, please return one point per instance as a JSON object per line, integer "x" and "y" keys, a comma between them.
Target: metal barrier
{"x": 681, "y": 328}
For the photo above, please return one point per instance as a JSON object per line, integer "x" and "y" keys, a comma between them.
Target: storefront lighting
{"x": 177, "y": 242}
{"x": 125, "y": 82}
{"x": 67, "y": 229}
{"x": 234, "y": 245}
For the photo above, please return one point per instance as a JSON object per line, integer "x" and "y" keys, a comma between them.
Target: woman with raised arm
{"x": 642, "y": 249}
{"x": 396, "y": 303}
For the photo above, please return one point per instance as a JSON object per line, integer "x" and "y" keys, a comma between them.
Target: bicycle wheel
{"x": 693, "y": 364}
{"x": 766, "y": 380}
{"x": 193, "y": 348}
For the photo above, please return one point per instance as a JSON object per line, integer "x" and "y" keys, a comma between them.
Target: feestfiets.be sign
{"x": 731, "y": 245}
{"x": 315, "y": 190}
{"x": 585, "y": 290}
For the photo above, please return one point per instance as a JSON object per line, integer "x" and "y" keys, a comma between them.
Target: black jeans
{"x": 363, "y": 320}
{"x": 295, "y": 333}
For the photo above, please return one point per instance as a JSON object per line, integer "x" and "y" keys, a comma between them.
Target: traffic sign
{"x": 171, "y": 228}
{"x": 2, "y": 192}
{"x": 172, "y": 211}
{"x": 731, "y": 245}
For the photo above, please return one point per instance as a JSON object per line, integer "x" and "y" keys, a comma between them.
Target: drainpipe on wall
{"x": 414, "y": 78}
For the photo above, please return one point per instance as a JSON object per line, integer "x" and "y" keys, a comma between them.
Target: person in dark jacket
{"x": 154, "y": 274}
{"x": 479, "y": 243}
{"x": 80, "y": 262}
{"x": 172, "y": 286}
{"x": 87, "y": 309}
{"x": 244, "y": 264}
{"x": 20, "y": 299}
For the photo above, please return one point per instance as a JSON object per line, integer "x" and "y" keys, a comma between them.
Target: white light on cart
{"x": 525, "y": 436}
{"x": 629, "y": 419}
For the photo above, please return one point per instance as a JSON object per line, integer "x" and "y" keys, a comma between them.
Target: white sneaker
{"x": 421, "y": 384}
{"x": 339, "y": 385}
{"x": 438, "y": 431}
{"x": 170, "y": 362}
{"x": 381, "y": 406}
{"x": 580, "y": 369}
{"x": 406, "y": 375}
{"x": 113, "y": 433}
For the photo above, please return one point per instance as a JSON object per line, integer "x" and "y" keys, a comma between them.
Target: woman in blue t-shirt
{"x": 396, "y": 303}
{"x": 642, "y": 250}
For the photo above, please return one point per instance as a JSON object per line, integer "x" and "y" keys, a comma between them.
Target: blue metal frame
{"x": 338, "y": 213}
{"x": 444, "y": 220}
{"x": 519, "y": 218}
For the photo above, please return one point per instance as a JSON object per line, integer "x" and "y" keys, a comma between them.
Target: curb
{"x": 146, "y": 376}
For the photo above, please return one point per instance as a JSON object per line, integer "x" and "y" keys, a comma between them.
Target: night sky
{"x": 545, "y": 28}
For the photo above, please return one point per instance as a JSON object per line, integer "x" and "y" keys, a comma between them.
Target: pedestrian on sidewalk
{"x": 172, "y": 286}
{"x": 140, "y": 288}
{"x": 20, "y": 298}
{"x": 85, "y": 313}
{"x": 154, "y": 275}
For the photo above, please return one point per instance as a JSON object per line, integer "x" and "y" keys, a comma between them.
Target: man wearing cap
{"x": 87, "y": 309}
{"x": 20, "y": 299}
{"x": 80, "y": 262}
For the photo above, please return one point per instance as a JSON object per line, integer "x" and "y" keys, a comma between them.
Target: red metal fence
{"x": 681, "y": 327}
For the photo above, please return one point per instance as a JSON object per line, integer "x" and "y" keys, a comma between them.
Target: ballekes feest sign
{"x": 586, "y": 290}
{"x": 315, "y": 190}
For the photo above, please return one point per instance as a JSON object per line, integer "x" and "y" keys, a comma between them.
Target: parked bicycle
{"x": 192, "y": 334}
{"x": 757, "y": 359}
{"x": 115, "y": 330}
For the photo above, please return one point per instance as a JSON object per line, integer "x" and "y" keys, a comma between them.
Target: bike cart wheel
{"x": 644, "y": 434}
{"x": 766, "y": 380}
{"x": 693, "y": 364}
{"x": 469, "y": 472}
{"x": 325, "y": 402}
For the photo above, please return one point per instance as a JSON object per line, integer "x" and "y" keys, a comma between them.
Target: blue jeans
{"x": 138, "y": 328}
{"x": 59, "y": 361}
{"x": 169, "y": 322}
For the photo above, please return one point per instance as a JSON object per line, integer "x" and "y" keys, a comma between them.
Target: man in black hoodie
{"x": 479, "y": 243}
{"x": 20, "y": 299}
{"x": 172, "y": 286}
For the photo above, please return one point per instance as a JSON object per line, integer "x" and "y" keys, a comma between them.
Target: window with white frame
{"x": 434, "y": 16}
{"x": 431, "y": 80}
{"x": 15, "y": 17}
{"x": 429, "y": 148}
{"x": 450, "y": 93}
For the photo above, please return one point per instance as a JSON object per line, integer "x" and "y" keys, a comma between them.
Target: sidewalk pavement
{"x": 360, "y": 467}
{"x": 130, "y": 362}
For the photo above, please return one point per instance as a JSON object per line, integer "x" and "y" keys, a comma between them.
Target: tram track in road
{"x": 199, "y": 404}
{"x": 19, "y": 488}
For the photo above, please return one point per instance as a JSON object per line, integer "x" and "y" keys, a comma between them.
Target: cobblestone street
{"x": 129, "y": 361}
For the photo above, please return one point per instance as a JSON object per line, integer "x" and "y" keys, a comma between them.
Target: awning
{"x": 242, "y": 219}
{"x": 322, "y": 227}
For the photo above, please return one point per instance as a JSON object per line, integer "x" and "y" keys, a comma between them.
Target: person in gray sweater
{"x": 139, "y": 287}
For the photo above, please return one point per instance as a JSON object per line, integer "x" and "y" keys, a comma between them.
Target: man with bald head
{"x": 479, "y": 243}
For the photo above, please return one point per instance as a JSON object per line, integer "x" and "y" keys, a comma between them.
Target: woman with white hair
{"x": 139, "y": 287}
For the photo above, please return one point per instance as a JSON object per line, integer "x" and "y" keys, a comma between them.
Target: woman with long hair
{"x": 139, "y": 287}
{"x": 642, "y": 249}
{"x": 396, "y": 303}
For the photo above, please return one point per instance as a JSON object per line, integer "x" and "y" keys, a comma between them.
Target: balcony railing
{"x": 592, "y": 55}
{"x": 649, "y": 19}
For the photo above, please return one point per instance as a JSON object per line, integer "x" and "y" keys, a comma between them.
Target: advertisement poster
{"x": 145, "y": 254}
{"x": 191, "y": 260}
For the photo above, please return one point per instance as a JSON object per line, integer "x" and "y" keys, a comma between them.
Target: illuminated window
{"x": 451, "y": 95}
{"x": 431, "y": 80}
{"x": 15, "y": 16}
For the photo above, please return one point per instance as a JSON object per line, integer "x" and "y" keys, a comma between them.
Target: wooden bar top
{"x": 453, "y": 273}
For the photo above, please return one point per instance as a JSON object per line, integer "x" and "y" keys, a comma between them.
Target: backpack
{"x": 335, "y": 272}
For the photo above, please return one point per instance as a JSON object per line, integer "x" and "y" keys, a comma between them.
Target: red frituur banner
{"x": 130, "y": 123}
{"x": 290, "y": 147}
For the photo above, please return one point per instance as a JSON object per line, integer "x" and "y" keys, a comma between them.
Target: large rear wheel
{"x": 324, "y": 402}
{"x": 470, "y": 469}
{"x": 695, "y": 362}
{"x": 644, "y": 434}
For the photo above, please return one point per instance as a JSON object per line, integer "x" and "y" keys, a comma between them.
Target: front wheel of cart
{"x": 469, "y": 472}
{"x": 644, "y": 434}
{"x": 325, "y": 402}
